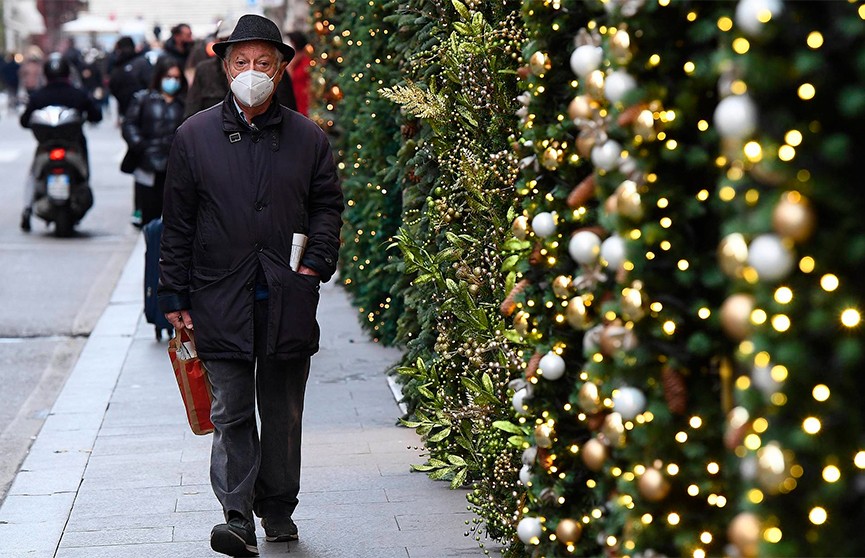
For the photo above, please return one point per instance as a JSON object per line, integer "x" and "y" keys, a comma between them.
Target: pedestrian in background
{"x": 298, "y": 69}
{"x": 148, "y": 128}
{"x": 30, "y": 74}
{"x": 131, "y": 72}
{"x": 179, "y": 44}
{"x": 245, "y": 178}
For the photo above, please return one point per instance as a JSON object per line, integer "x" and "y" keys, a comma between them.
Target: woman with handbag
{"x": 148, "y": 128}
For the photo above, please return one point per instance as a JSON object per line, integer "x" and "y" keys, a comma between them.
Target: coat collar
{"x": 233, "y": 122}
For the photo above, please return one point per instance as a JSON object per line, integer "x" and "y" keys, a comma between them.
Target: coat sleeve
{"x": 131, "y": 123}
{"x": 325, "y": 207}
{"x": 179, "y": 220}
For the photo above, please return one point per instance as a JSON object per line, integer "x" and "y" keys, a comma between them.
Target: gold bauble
{"x": 615, "y": 337}
{"x": 653, "y": 486}
{"x": 585, "y": 143}
{"x": 736, "y": 316}
{"x": 744, "y": 533}
{"x": 594, "y": 454}
{"x": 551, "y": 158}
{"x": 521, "y": 322}
{"x": 733, "y": 255}
{"x": 580, "y": 107}
{"x": 544, "y": 435}
{"x": 633, "y": 302}
{"x": 595, "y": 84}
{"x": 773, "y": 467}
{"x": 628, "y": 202}
{"x": 794, "y": 217}
{"x": 520, "y": 227}
{"x": 613, "y": 430}
{"x": 578, "y": 313}
{"x": 539, "y": 63}
{"x": 620, "y": 46}
{"x": 644, "y": 125}
{"x": 562, "y": 286}
{"x": 589, "y": 398}
{"x": 569, "y": 531}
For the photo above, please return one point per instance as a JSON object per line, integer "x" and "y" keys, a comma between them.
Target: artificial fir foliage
{"x": 368, "y": 143}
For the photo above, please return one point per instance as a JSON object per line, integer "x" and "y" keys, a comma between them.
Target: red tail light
{"x": 57, "y": 154}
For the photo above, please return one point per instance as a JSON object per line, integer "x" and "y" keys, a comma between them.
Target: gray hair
{"x": 229, "y": 48}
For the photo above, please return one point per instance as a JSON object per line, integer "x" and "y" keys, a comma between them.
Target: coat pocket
{"x": 293, "y": 328}
{"x": 221, "y": 311}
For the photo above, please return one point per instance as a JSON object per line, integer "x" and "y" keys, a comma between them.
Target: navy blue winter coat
{"x": 234, "y": 197}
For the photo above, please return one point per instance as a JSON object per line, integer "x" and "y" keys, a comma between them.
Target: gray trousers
{"x": 252, "y": 471}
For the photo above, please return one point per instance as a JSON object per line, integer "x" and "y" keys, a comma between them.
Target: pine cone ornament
{"x": 509, "y": 304}
{"x": 582, "y": 192}
{"x": 675, "y": 390}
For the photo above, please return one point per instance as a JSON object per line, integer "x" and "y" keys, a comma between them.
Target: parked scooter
{"x": 61, "y": 192}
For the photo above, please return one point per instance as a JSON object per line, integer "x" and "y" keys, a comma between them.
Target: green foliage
{"x": 368, "y": 143}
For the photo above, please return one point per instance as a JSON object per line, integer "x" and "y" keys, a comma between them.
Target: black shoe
{"x": 235, "y": 538}
{"x": 279, "y": 529}
{"x": 25, "y": 220}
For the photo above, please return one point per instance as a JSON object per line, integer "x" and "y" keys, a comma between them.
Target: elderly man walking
{"x": 244, "y": 178}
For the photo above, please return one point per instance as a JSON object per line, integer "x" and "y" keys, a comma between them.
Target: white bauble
{"x": 749, "y": 14}
{"x": 736, "y": 117}
{"x": 544, "y": 224}
{"x": 613, "y": 251}
{"x": 768, "y": 255}
{"x": 584, "y": 247}
{"x": 529, "y": 530}
{"x": 530, "y": 454}
{"x": 586, "y": 59}
{"x": 519, "y": 399}
{"x": 607, "y": 156}
{"x": 748, "y": 468}
{"x": 761, "y": 377}
{"x": 551, "y": 366}
{"x": 618, "y": 84}
{"x": 526, "y": 475}
{"x": 628, "y": 166}
{"x": 592, "y": 340}
{"x": 629, "y": 402}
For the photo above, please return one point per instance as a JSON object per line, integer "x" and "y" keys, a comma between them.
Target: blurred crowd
{"x": 129, "y": 67}
{"x": 155, "y": 87}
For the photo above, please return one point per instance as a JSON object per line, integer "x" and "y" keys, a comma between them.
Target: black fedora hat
{"x": 252, "y": 27}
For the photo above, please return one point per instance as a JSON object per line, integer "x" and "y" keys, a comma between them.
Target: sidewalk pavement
{"x": 116, "y": 472}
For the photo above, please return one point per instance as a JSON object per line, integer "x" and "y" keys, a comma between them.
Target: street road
{"x": 52, "y": 290}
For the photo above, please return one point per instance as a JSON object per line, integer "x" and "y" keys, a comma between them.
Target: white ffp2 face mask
{"x": 252, "y": 88}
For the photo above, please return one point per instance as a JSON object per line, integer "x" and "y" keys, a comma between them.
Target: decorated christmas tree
{"x": 629, "y": 235}
{"x": 793, "y": 246}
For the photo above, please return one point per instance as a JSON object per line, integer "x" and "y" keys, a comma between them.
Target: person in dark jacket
{"x": 148, "y": 128}
{"x": 211, "y": 85}
{"x": 60, "y": 92}
{"x": 131, "y": 72}
{"x": 246, "y": 179}
{"x": 179, "y": 44}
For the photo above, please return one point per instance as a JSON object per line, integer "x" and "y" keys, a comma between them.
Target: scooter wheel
{"x": 64, "y": 224}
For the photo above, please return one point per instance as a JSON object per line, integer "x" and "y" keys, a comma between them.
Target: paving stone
{"x": 114, "y": 537}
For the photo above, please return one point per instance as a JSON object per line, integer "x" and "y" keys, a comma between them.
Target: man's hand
{"x": 180, "y": 319}
{"x": 303, "y": 270}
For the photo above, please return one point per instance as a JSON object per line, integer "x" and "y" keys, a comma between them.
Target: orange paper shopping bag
{"x": 192, "y": 381}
